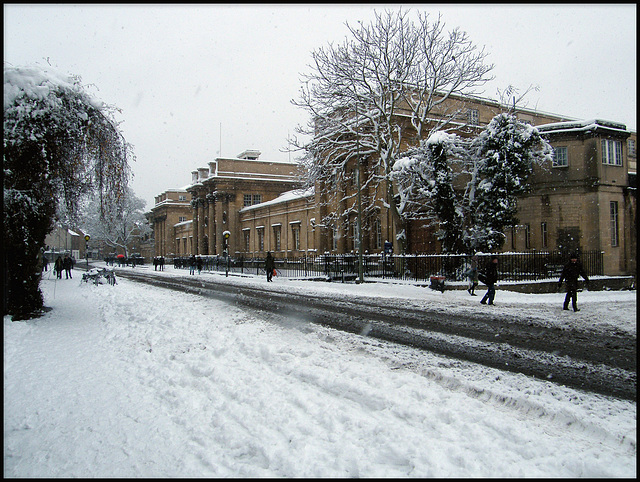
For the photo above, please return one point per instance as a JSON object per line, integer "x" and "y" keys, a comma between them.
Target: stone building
{"x": 581, "y": 200}
{"x": 171, "y": 208}
{"x": 220, "y": 191}
{"x": 585, "y": 200}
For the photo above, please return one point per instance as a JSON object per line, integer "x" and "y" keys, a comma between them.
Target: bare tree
{"x": 372, "y": 96}
{"x": 119, "y": 227}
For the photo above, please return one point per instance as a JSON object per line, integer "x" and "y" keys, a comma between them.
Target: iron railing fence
{"x": 527, "y": 266}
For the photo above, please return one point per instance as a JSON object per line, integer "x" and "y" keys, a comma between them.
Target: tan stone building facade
{"x": 583, "y": 200}
{"x": 172, "y": 208}
{"x": 221, "y": 191}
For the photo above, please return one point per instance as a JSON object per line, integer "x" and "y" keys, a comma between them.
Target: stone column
{"x": 194, "y": 228}
{"x": 211, "y": 231}
{"x": 201, "y": 207}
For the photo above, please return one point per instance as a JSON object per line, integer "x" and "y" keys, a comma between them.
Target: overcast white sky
{"x": 199, "y": 81}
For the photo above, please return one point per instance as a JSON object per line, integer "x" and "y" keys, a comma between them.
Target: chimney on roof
{"x": 250, "y": 154}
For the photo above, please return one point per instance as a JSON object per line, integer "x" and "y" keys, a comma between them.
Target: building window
{"x": 182, "y": 197}
{"x": 474, "y": 118}
{"x": 560, "y": 157}
{"x": 182, "y": 219}
{"x": 613, "y": 210}
{"x": 247, "y": 200}
{"x": 257, "y": 198}
{"x": 295, "y": 234}
{"x": 378, "y": 233}
{"x": 612, "y": 152}
{"x": 545, "y": 234}
{"x": 527, "y": 236}
{"x": 334, "y": 238}
{"x": 276, "y": 237}
{"x": 247, "y": 240}
{"x": 631, "y": 148}
{"x": 261, "y": 238}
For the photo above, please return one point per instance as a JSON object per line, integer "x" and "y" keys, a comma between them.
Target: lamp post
{"x": 225, "y": 236}
{"x": 86, "y": 248}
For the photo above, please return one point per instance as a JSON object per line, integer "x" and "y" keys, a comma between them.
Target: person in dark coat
{"x": 269, "y": 266}
{"x": 57, "y": 267}
{"x": 570, "y": 274}
{"x": 491, "y": 277}
{"x": 192, "y": 264}
{"x": 67, "y": 264}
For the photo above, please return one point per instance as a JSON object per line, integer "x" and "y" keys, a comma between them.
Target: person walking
{"x": 472, "y": 275}
{"x": 269, "y": 266}
{"x": 192, "y": 264}
{"x": 199, "y": 262}
{"x": 67, "y": 264}
{"x": 57, "y": 267}
{"x": 570, "y": 274}
{"x": 490, "y": 279}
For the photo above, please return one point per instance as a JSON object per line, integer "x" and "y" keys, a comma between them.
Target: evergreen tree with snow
{"x": 469, "y": 189}
{"x": 425, "y": 179}
{"x": 60, "y": 145}
{"x": 504, "y": 154}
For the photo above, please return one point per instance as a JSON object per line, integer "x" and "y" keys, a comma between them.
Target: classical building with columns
{"x": 227, "y": 185}
{"x": 584, "y": 199}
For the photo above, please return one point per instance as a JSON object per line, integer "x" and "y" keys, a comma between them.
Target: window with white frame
{"x": 277, "y": 236}
{"x": 560, "y": 157}
{"x": 611, "y": 152}
{"x": 545, "y": 234}
{"x": 257, "y": 198}
{"x": 613, "y": 210}
{"x": 295, "y": 234}
{"x": 260, "y": 232}
{"x": 247, "y": 200}
{"x": 631, "y": 148}
{"x": 247, "y": 240}
{"x": 474, "y": 117}
{"x": 378, "y": 233}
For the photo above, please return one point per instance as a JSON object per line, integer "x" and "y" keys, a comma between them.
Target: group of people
{"x": 570, "y": 274}
{"x": 195, "y": 263}
{"x": 65, "y": 264}
{"x": 158, "y": 263}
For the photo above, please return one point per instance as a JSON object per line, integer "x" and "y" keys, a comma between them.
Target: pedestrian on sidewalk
{"x": 472, "y": 275}
{"x": 67, "y": 263}
{"x": 490, "y": 279}
{"x": 572, "y": 270}
{"x": 269, "y": 266}
{"x": 192, "y": 264}
{"x": 57, "y": 268}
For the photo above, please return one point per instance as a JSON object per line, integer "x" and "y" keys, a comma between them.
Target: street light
{"x": 225, "y": 251}
{"x": 86, "y": 248}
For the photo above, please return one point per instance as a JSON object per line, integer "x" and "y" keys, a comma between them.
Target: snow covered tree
{"x": 504, "y": 153}
{"x": 469, "y": 189}
{"x": 379, "y": 91}
{"x": 425, "y": 180}
{"x": 60, "y": 145}
{"x": 120, "y": 227}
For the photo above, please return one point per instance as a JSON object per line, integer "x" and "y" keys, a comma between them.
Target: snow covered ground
{"x": 138, "y": 381}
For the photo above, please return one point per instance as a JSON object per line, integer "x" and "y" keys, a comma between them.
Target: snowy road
{"x": 137, "y": 381}
{"x": 604, "y": 362}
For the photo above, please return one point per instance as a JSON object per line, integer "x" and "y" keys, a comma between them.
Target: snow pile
{"x": 136, "y": 381}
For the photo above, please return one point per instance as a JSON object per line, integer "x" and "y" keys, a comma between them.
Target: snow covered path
{"x": 136, "y": 381}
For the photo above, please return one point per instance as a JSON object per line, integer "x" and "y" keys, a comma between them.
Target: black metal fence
{"x": 529, "y": 266}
